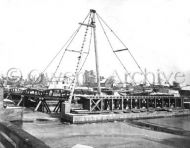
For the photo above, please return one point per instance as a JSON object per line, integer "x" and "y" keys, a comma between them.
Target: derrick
{"x": 90, "y": 31}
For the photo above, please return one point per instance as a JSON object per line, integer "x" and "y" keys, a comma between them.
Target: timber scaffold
{"x": 50, "y": 100}
{"x": 131, "y": 103}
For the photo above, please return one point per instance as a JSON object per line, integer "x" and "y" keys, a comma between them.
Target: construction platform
{"x": 92, "y": 108}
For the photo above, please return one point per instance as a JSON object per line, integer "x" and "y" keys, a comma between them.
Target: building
{"x": 89, "y": 78}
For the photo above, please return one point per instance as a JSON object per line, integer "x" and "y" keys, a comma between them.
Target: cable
{"x": 68, "y": 42}
{"x": 82, "y": 47}
{"x": 125, "y": 47}
{"x": 70, "y": 39}
{"x": 79, "y": 61}
{"x": 113, "y": 50}
{"x": 87, "y": 52}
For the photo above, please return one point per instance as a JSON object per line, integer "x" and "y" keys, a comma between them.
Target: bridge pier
{"x": 113, "y": 103}
{"x": 66, "y": 108}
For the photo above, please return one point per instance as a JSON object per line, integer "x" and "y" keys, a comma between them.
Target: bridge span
{"x": 51, "y": 100}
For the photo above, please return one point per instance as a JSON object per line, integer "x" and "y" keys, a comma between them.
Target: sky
{"x": 157, "y": 32}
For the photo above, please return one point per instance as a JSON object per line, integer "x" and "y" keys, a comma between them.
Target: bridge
{"x": 51, "y": 100}
{"x": 40, "y": 100}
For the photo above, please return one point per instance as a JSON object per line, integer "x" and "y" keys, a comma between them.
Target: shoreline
{"x": 158, "y": 128}
{"x": 118, "y": 132}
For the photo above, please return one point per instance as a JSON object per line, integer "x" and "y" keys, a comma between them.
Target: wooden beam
{"x": 120, "y": 50}
{"x": 88, "y": 25}
{"x": 38, "y": 105}
{"x": 20, "y": 101}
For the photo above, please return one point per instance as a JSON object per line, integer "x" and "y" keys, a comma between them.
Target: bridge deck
{"x": 41, "y": 101}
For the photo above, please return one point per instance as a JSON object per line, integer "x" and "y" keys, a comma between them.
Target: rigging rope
{"x": 60, "y": 50}
{"x": 68, "y": 42}
{"x": 70, "y": 39}
{"x": 79, "y": 61}
{"x": 87, "y": 52}
{"x": 113, "y": 50}
{"x": 82, "y": 47}
{"x": 125, "y": 47}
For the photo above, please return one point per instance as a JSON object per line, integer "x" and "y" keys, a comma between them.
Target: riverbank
{"x": 102, "y": 135}
{"x": 12, "y": 136}
{"x": 178, "y": 125}
{"x": 57, "y": 134}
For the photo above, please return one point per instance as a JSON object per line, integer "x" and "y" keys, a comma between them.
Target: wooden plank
{"x": 96, "y": 105}
{"x": 46, "y": 106}
{"x": 101, "y": 108}
{"x": 6, "y": 141}
{"x": 20, "y": 101}
{"x": 38, "y": 105}
{"x": 175, "y": 103}
{"x": 55, "y": 109}
{"x": 169, "y": 102}
{"x": 122, "y": 104}
{"x": 155, "y": 101}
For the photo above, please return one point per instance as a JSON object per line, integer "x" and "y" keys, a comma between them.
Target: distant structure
{"x": 89, "y": 78}
{"x": 61, "y": 82}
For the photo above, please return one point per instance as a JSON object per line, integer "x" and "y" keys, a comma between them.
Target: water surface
{"x": 182, "y": 122}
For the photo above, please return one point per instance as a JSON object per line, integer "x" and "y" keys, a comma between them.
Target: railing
{"x": 14, "y": 137}
{"x": 40, "y": 98}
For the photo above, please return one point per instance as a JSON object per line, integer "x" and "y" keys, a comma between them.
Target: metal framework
{"x": 42, "y": 99}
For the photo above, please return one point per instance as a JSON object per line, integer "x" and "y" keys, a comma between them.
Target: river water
{"x": 182, "y": 122}
{"x": 104, "y": 135}
{"x": 108, "y": 135}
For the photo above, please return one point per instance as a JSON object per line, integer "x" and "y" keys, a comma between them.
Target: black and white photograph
{"x": 94, "y": 74}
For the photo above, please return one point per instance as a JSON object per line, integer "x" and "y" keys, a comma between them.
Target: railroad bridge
{"x": 50, "y": 100}
{"x": 40, "y": 100}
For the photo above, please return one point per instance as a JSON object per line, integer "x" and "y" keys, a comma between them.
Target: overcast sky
{"x": 157, "y": 32}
